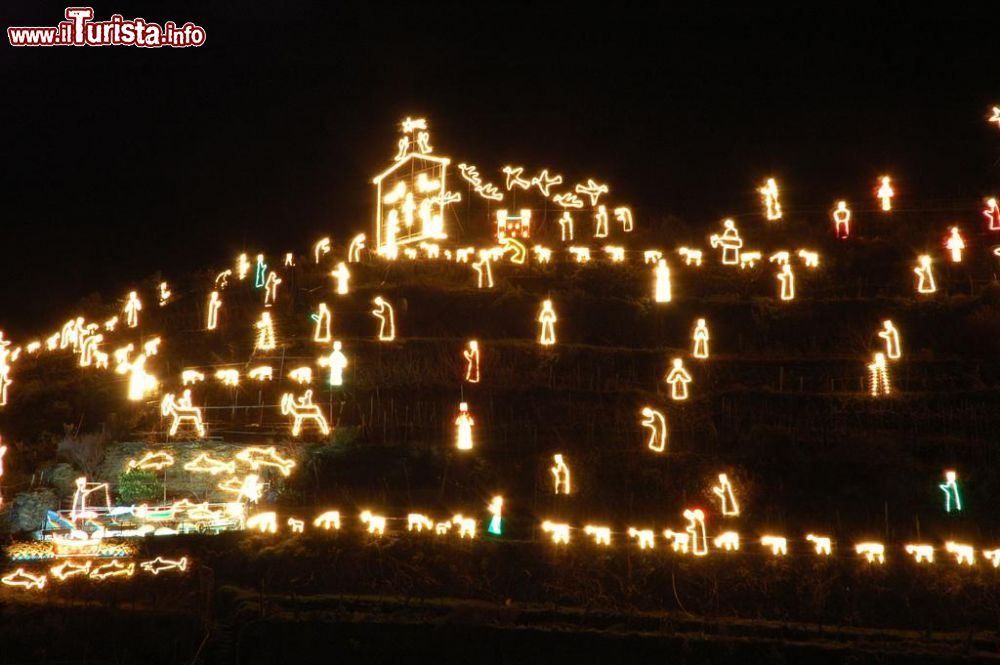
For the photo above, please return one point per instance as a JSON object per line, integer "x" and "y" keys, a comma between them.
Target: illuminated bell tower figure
{"x": 342, "y": 275}
{"x": 787, "y": 279}
{"x": 547, "y": 319}
{"x": 952, "y": 499}
{"x": 337, "y": 362}
{"x": 464, "y": 423}
{"x": 662, "y": 291}
{"x": 471, "y": 355}
{"x": 730, "y": 241}
{"x": 700, "y": 338}
{"x": 955, "y": 244}
{"x": 878, "y": 375}
{"x": 891, "y": 337}
{"x": 566, "y": 227}
{"x": 842, "y": 220}
{"x": 386, "y": 318}
{"x": 496, "y": 516}
{"x": 560, "y": 475}
{"x": 925, "y": 275}
{"x": 214, "y": 303}
{"x": 886, "y": 193}
{"x": 677, "y": 379}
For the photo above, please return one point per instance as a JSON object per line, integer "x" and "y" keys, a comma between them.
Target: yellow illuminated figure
{"x": 651, "y": 256}
{"x": 264, "y": 522}
{"x": 696, "y": 531}
{"x": 386, "y": 318}
{"x": 3, "y": 451}
{"x": 228, "y": 377}
{"x": 81, "y": 509}
{"x": 342, "y": 276}
{"x": 471, "y": 355}
{"x": 301, "y": 410}
{"x": 337, "y": 362}
{"x": 111, "y": 324}
{"x": 822, "y": 545}
{"x": 644, "y": 537}
{"x": 182, "y": 411}
{"x": 680, "y": 541}
{"x": 542, "y": 254}
{"x": 514, "y": 178}
{"x": 601, "y": 222}
{"x": 809, "y": 259}
{"x": 566, "y": 226}
{"x": 593, "y": 190}
{"x": 495, "y": 508}
{"x": 165, "y": 293}
{"x": 955, "y": 244}
{"x": 891, "y": 337}
{"x": 330, "y": 520}
{"x": 265, "y": 333}
{"x": 161, "y": 565}
{"x": 964, "y": 554}
{"x": 518, "y": 251}
{"x": 417, "y": 522}
{"x": 544, "y": 181}
{"x": 248, "y": 488}
{"x": 27, "y": 581}
{"x": 67, "y": 569}
{"x": 89, "y": 349}
{"x": 321, "y": 331}
{"x": 289, "y": 260}
{"x": 113, "y": 568}
{"x": 547, "y": 320}
{"x": 205, "y": 463}
{"x": 151, "y": 461}
{"x": 925, "y": 275}
{"x": 568, "y": 200}
{"x": 624, "y": 216}
{"x": 730, "y": 242}
{"x": 662, "y": 291}
{"x": 920, "y": 553}
{"x": 484, "y": 273}
{"x": 600, "y": 534}
{"x": 214, "y": 303}
{"x": 222, "y": 279}
{"x": 769, "y": 192}
{"x": 301, "y": 375}
{"x": 777, "y": 544}
{"x": 355, "y": 248}
{"x": 320, "y": 248}
{"x": 678, "y": 378}
{"x": 152, "y": 347}
{"x": 692, "y": 257}
{"x": 271, "y": 288}
{"x": 560, "y": 475}
{"x": 727, "y": 500}
{"x": 656, "y": 422}
{"x": 992, "y": 214}
{"x": 885, "y": 193}
{"x": 781, "y": 257}
{"x": 296, "y": 525}
{"x": 256, "y": 457}
{"x": 261, "y": 373}
{"x": 580, "y": 254}
{"x": 615, "y": 253}
{"x": 878, "y": 377}
{"x": 376, "y": 523}
{"x": 872, "y": 552}
{"x": 842, "y": 220}
{"x": 559, "y": 532}
{"x": 995, "y": 115}
{"x": 242, "y": 266}
{"x": 993, "y": 556}
{"x": 442, "y": 528}
{"x": 132, "y": 308}
{"x": 140, "y": 383}
{"x": 700, "y": 339}
{"x": 787, "y": 279}
{"x": 466, "y": 526}
{"x": 463, "y": 426}
{"x": 431, "y": 249}
{"x": 749, "y": 259}
{"x": 728, "y": 541}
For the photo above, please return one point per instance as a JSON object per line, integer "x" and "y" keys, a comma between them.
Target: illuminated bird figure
{"x": 952, "y": 499}
{"x": 514, "y": 178}
{"x": 592, "y": 189}
{"x": 387, "y": 321}
{"x": 544, "y": 181}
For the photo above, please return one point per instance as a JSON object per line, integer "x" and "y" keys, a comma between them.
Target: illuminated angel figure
{"x": 471, "y": 355}
{"x": 730, "y": 241}
{"x": 182, "y": 411}
{"x": 878, "y": 376}
{"x": 601, "y": 222}
{"x": 464, "y": 424}
{"x": 132, "y": 308}
{"x": 547, "y": 319}
{"x": 337, "y": 362}
{"x": 891, "y": 337}
{"x": 271, "y": 288}
{"x": 560, "y": 474}
{"x": 386, "y": 318}
{"x": 700, "y": 339}
{"x": 787, "y": 279}
{"x": 214, "y": 303}
{"x": 842, "y": 220}
{"x": 495, "y": 509}
{"x": 301, "y": 410}
{"x": 769, "y": 192}
{"x": 342, "y": 275}
{"x": 955, "y": 244}
{"x": 678, "y": 378}
{"x": 662, "y": 290}
{"x": 265, "y": 333}
{"x": 484, "y": 273}
{"x": 657, "y": 425}
{"x": 952, "y": 499}
{"x": 724, "y": 490}
{"x": 992, "y": 214}
{"x": 885, "y": 193}
{"x": 925, "y": 275}
{"x": 566, "y": 226}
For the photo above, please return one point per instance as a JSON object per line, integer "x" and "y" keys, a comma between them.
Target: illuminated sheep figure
{"x": 600, "y": 534}
{"x": 920, "y": 553}
{"x": 417, "y": 522}
{"x": 872, "y": 552}
{"x": 964, "y": 554}
{"x": 301, "y": 410}
{"x": 728, "y": 541}
{"x": 559, "y": 532}
{"x": 822, "y": 545}
{"x": 376, "y": 523}
{"x": 466, "y": 526}
{"x": 182, "y": 411}
{"x": 644, "y": 537}
{"x": 330, "y": 520}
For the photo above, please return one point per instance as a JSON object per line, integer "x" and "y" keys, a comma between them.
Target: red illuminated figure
{"x": 992, "y": 214}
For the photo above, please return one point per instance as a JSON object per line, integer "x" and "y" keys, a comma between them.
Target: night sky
{"x": 119, "y": 162}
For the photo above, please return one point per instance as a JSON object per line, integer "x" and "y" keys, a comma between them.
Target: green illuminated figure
{"x": 952, "y": 499}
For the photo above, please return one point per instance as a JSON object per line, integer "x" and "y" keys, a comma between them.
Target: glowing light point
{"x": 995, "y": 115}
{"x": 955, "y": 244}
{"x": 547, "y": 321}
{"x": 387, "y": 321}
{"x": 656, "y": 422}
{"x": 700, "y": 339}
{"x": 925, "y": 275}
{"x": 885, "y": 193}
{"x": 842, "y": 220}
{"x": 727, "y": 500}
{"x": 303, "y": 410}
{"x": 769, "y": 192}
{"x": 463, "y": 427}
{"x": 678, "y": 378}
{"x": 993, "y": 556}
{"x": 872, "y": 552}
{"x": 662, "y": 290}
{"x": 495, "y": 509}
{"x": 952, "y": 497}
{"x": 560, "y": 475}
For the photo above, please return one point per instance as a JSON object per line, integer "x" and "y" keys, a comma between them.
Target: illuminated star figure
{"x": 566, "y": 227}
{"x": 337, "y": 362}
{"x": 730, "y": 241}
{"x": 386, "y": 318}
{"x": 342, "y": 275}
{"x": 322, "y": 318}
{"x": 678, "y": 378}
{"x": 132, "y": 307}
{"x": 700, "y": 338}
{"x": 878, "y": 376}
{"x": 662, "y": 290}
{"x": 955, "y": 244}
{"x": 471, "y": 355}
{"x": 261, "y": 272}
{"x": 885, "y": 193}
{"x": 495, "y": 508}
{"x": 265, "y": 332}
{"x": 787, "y": 279}
{"x": 891, "y": 337}
{"x": 952, "y": 499}
{"x": 769, "y": 192}
{"x": 463, "y": 424}
{"x": 214, "y": 303}
{"x": 657, "y": 425}
{"x": 560, "y": 475}
{"x": 925, "y": 276}
{"x": 724, "y": 490}
{"x": 992, "y": 214}
{"x": 842, "y": 220}
{"x": 271, "y": 288}
{"x": 547, "y": 319}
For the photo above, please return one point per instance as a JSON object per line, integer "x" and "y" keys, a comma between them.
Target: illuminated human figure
{"x": 355, "y": 248}
{"x": 82, "y": 509}
{"x": 560, "y": 475}
{"x": 320, "y": 248}
{"x": 165, "y": 293}
{"x": 322, "y": 317}
{"x": 495, "y": 508}
{"x": 730, "y": 241}
{"x": 547, "y": 319}
{"x": 992, "y": 214}
{"x": 695, "y": 529}
{"x": 878, "y": 375}
{"x": 265, "y": 333}
{"x": 657, "y": 425}
{"x": 260, "y": 272}
{"x": 271, "y": 288}
{"x": 3, "y": 451}
{"x": 386, "y": 318}
{"x": 342, "y": 275}
{"x": 566, "y": 226}
{"x": 601, "y": 222}
{"x": 724, "y": 490}
{"x": 891, "y": 337}
{"x": 214, "y": 303}
{"x": 132, "y": 308}
{"x": 842, "y": 220}
{"x": 886, "y": 193}
{"x": 952, "y": 499}
{"x": 787, "y": 279}
{"x": 678, "y": 378}
{"x": 139, "y": 382}
{"x": 471, "y": 355}
{"x": 181, "y": 411}
{"x": 700, "y": 338}
{"x": 769, "y": 192}
{"x": 484, "y": 273}
{"x": 955, "y": 244}
{"x": 463, "y": 424}
{"x": 242, "y": 268}
{"x": 925, "y": 275}
{"x": 337, "y": 362}
{"x": 662, "y": 291}
{"x": 624, "y": 215}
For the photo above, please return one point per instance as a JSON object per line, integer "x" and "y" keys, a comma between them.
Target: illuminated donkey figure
{"x": 181, "y": 410}
{"x": 301, "y": 410}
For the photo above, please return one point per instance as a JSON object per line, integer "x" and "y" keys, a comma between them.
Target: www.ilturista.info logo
{"x": 79, "y": 29}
